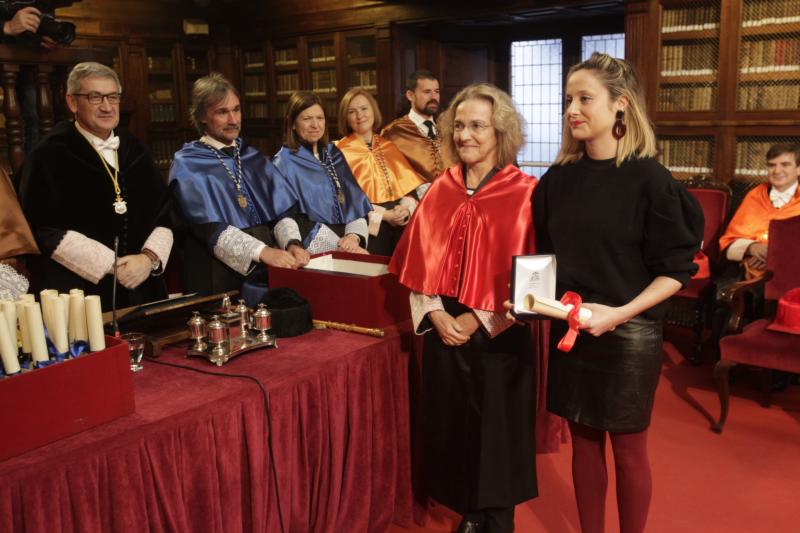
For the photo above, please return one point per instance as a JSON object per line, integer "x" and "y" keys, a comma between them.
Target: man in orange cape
{"x": 415, "y": 134}
{"x": 747, "y": 236}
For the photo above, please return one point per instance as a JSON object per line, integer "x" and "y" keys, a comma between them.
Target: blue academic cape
{"x": 207, "y": 194}
{"x": 316, "y": 191}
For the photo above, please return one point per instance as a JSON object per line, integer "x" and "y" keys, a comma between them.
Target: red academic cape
{"x": 461, "y": 246}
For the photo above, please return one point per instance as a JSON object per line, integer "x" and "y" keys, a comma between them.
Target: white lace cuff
{"x": 325, "y": 240}
{"x": 12, "y": 283}
{"x": 421, "y": 305}
{"x": 422, "y": 189}
{"x": 375, "y": 217}
{"x": 160, "y": 243}
{"x": 409, "y": 203}
{"x": 359, "y": 227}
{"x": 238, "y": 250}
{"x": 86, "y": 257}
{"x": 493, "y": 322}
{"x": 737, "y": 249}
{"x": 286, "y": 230}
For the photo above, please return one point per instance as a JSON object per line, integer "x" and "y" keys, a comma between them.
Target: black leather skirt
{"x": 607, "y": 382}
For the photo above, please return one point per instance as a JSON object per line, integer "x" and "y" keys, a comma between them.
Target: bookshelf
{"x": 254, "y": 85}
{"x": 361, "y": 62}
{"x": 161, "y": 86}
{"x": 689, "y": 65}
{"x": 769, "y": 56}
{"x": 686, "y": 156}
{"x": 726, "y": 85}
{"x": 196, "y": 64}
{"x": 286, "y": 62}
{"x": 327, "y": 64}
{"x": 322, "y": 66}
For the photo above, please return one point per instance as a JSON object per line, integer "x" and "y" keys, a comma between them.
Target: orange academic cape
{"x": 424, "y": 154}
{"x": 461, "y": 246}
{"x": 15, "y": 234}
{"x": 751, "y": 220}
{"x": 367, "y": 167}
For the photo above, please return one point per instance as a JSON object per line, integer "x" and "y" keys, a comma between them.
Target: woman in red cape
{"x": 479, "y": 388}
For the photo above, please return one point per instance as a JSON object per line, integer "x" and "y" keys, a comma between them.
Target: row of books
{"x": 159, "y": 63}
{"x": 163, "y": 151}
{"x": 778, "y": 96}
{"x": 773, "y": 52}
{"x": 162, "y": 112}
{"x": 751, "y": 158}
{"x": 286, "y": 56}
{"x": 255, "y": 85}
{"x": 323, "y": 80}
{"x": 253, "y": 58}
{"x": 687, "y": 73}
{"x": 358, "y": 47}
{"x": 256, "y": 110}
{"x": 688, "y": 56}
{"x": 690, "y": 19}
{"x": 681, "y": 155}
{"x": 287, "y": 83}
{"x": 364, "y": 78}
{"x": 160, "y": 95}
{"x": 322, "y": 52}
{"x": 677, "y": 98}
{"x": 764, "y": 12}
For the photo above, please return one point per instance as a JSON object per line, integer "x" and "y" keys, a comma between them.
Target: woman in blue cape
{"x": 331, "y": 210}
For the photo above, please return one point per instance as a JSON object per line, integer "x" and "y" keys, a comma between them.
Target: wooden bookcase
{"x": 327, "y": 63}
{"x": 171, "y": 71}
{"x": 727, "y": 84}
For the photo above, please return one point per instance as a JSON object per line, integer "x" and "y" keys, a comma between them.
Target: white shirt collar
{"x": 419, "y": 120}
{"x": 109, "y": 154}
{"x": 211, "y": 141}
{"x": 780, "y": 199}
{"x": 90, "y": 136}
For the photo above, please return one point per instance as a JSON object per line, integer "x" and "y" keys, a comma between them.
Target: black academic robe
{"x": 64, "y": 186}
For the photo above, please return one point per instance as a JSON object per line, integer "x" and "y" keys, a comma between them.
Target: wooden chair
{"x": 754, "y": 344}
{"x": 714, "y": 199}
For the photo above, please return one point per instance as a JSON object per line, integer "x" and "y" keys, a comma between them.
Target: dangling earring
{"x": 620, "y": 128}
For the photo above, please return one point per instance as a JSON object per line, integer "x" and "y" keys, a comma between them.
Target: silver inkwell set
{"x": 233, "y": 331}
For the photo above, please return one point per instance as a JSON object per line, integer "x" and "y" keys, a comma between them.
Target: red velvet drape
{"x": 194, "y": 456}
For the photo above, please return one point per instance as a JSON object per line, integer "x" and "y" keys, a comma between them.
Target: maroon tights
{"x": 589, "y": 475}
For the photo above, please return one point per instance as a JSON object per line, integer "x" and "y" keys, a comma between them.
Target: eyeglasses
{"x": 476, "y": 127}
{"x": 97, "y": 98}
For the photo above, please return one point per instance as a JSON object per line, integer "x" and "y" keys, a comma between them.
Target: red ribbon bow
{"x": 575, "y": 300}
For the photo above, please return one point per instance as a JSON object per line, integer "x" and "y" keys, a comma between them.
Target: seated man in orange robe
{"x": 746, "y": 237}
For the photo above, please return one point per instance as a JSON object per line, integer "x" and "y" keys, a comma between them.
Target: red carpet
{"x": 745, "y": 480}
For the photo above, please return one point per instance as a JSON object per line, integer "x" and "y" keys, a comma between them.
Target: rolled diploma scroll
{"x": 94, "y": 323}
{"x": 33, "y": 316}
{"x": 23, "y": 325}
{"x": 58, "y": 325}
{"x": 65, "y": 299}
{"x": 44, "y": 298}
{"x": 553, "y": 308}
{"x": 8, "y": 349}
{"x": 10, "y": 314}
{"x": 77, "y": 316}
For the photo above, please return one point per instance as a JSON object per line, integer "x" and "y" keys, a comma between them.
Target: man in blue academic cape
{"x": 228, "y": 193}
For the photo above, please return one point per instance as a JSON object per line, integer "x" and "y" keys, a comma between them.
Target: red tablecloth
{"x": 195, "y": 455}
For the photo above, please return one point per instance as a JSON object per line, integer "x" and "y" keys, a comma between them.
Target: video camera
{"x": 61, "y": 32}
